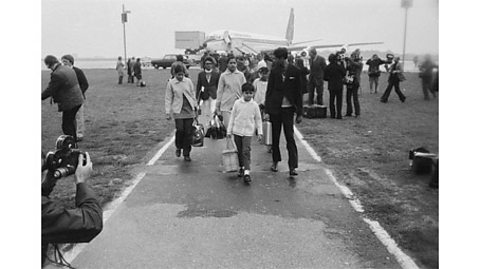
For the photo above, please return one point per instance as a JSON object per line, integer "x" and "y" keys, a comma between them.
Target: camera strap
{"x": 59, "y": 260}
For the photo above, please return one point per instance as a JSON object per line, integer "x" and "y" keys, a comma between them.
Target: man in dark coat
{"x": 282, "y": 100}
{"x": 315, "y": 83}
{"x": 334, "y": 74}
{"x": 65, "y": 91}
{"x": 137, "y": 71}
{"x": 207, "y": 84}
{"x": 68, "y": 60}
{"x": 427, "y": 75}
{"x": 63, "y": 225}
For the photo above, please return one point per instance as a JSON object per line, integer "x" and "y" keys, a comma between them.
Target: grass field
{"x": 369, "y": 154}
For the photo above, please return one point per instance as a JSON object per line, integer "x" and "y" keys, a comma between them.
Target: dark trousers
{"x": 183, "y": 135}
{"x": 130, "y": 78}
{"x": 336, "y": 97}
{"x": 285, "y": 118}
{"x": 69, "y": 123}
{"x": 427, "y": 86}
{"x": 243, "y": 150}
{"x": 120, "y": 79}
{"x": 392, "y": 83}
{"x": 313, "y": 85}
{"x": 352, "y": 92}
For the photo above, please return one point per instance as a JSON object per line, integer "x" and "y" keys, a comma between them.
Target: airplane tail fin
{"x": 290, "y": 28}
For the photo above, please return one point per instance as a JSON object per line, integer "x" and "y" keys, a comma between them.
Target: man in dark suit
{"x": 65, "y": 91}
{"x": 207, "y": 84}
{"x": 68, "y": 60}
{"x": 317, "y": 67}
{"x": 282, "y": 100}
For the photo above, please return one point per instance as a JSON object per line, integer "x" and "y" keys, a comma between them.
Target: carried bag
{"x": 216, "y": 130}
{"x": 198, "y": 134}
{"x": 230, "y": 157}
{"x": 401, "y": 76}
{"x": 267, "y": 133}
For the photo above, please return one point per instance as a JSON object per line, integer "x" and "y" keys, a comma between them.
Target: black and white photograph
{"x": 238, "y": 134}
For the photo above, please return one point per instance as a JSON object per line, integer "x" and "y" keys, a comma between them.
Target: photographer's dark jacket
{"x": 334, "y": 74}
{"x": 283, "y": 82}
{"x": 63, "y": 88}
{"x": 82, "y": 80}
{"x": 62, "y": 225}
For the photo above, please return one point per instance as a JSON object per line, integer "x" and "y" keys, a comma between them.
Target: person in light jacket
{"x": 180, "y": 102}
{"x": 120, "y": 66}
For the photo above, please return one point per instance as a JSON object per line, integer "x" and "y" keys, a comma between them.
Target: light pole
{"x": 405, "y": 4}
{"x": 124, "y": 20}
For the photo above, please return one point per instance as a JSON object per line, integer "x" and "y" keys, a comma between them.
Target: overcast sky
{"x": 92, "y": 28}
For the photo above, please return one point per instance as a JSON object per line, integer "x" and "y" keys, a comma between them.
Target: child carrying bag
{"x": 230, "y": 157}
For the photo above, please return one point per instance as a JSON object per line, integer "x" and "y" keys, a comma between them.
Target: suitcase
{"x": 267, "y": 133}
{"x": 315, "y": 111}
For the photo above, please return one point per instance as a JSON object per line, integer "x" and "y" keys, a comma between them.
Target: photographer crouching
{"x": 60, "y": 224}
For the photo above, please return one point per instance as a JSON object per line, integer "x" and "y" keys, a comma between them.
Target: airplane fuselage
{"x": 227, "y": 40}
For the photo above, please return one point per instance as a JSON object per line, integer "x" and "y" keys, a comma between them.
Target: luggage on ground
{"x": 315, "y": 111}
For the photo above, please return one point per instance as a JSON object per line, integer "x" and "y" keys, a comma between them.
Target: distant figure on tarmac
{"x": 65, "y": 91}
{"x": 246, "y": 119}
{"x": 180, "y": 102}
{"x": 396, "y": 74}
{"x": 137, "y": 71}
{"x": 229, "y": 89}
{"x": 315, "y": 83}
{"x": 120, "y": 66}
{"x": 374, "y": 71}
{"x": 207, "y": 85}
{"x": 83, "y": 83}
{"x": 426, "y": 74}
{"x": 284, "y": 99}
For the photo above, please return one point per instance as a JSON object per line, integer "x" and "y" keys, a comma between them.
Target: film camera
{"x": 63, "y": 162}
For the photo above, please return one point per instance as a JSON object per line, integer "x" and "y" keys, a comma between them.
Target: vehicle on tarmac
{"x": 168, "y": 60}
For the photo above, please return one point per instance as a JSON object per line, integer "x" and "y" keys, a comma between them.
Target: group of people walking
{"x": 273, "y": 95}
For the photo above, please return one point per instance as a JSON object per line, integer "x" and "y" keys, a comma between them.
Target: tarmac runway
{"x": 192, "y": 215}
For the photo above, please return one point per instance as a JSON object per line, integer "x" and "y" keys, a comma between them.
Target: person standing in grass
{"x": 83, "y": 82}
{"x": 65, "y": 91}
{"x": 137, "y": 70}
{"x": 120, "y": 66}
{"x": 229, "y": 89}
{"x": 374, "y": 71}
{"x": 180, "y": 102}
{"x": 245, "y": 119}
{"x": 396, "y": 71}
{"x": 334, "y": 74}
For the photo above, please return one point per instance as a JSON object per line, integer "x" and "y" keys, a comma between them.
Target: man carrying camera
{"x": 65, "y": 91}
{"x": 62, "y": 225}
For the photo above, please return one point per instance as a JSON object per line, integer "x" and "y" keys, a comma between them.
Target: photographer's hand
{"x": 83, "y": 171}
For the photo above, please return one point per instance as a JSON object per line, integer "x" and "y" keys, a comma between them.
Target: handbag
{"x": 198, "y": 134}
{"x": 401, "y": 76}
{"x": 267, "y": 133}
{"x": 230, "y": 157}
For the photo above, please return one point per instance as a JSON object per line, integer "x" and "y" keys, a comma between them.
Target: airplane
{"x": 249, "y": 43}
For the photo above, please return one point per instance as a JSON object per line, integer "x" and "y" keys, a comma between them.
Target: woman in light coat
{"x": 180, "y": 102}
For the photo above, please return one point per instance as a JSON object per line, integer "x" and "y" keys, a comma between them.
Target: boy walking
{"x": 245, "y": 119}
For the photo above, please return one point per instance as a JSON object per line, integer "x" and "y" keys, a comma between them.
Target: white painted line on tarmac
{"x": 111, "y": 207}
{"x": 161, "y": 151}
{"x": 403, "y": 259}
{"x": 310, "y": 150}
